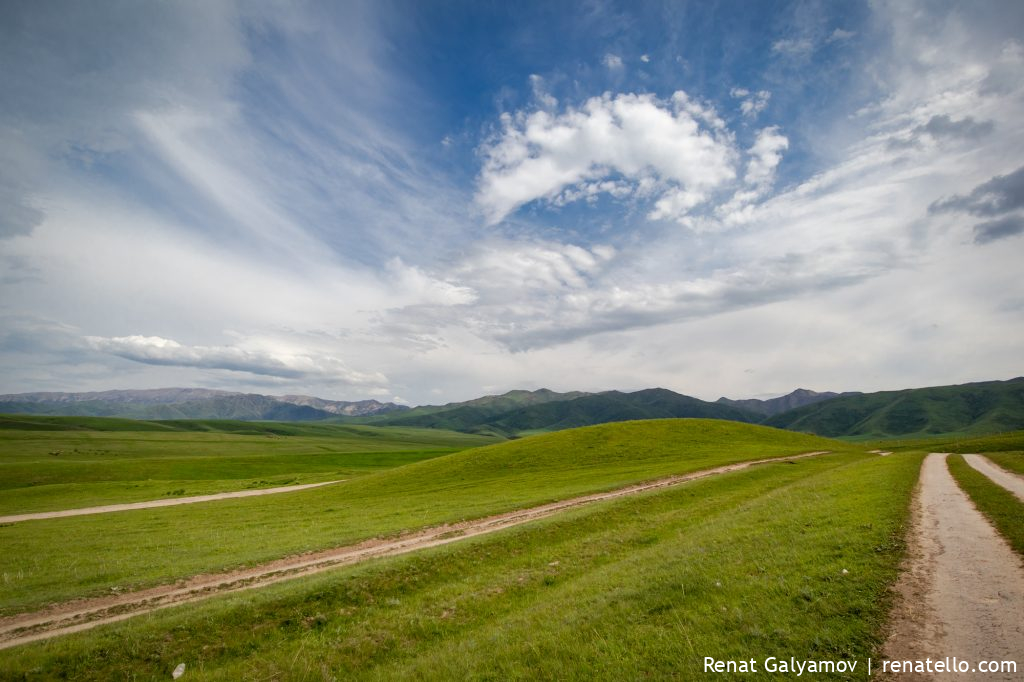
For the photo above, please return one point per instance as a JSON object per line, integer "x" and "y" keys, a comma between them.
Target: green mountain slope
{"x": 978, "y": 408}
{"x": 553, "y": 415}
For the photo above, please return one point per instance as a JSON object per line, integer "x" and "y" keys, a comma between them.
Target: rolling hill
{"x": 976, "y": 408}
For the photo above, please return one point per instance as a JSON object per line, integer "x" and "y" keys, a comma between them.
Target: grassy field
{"x": 1002, "y": 507}
{"x": 50, "y": 463}
{"x": 1011, "y": 461}
{"x": 1001, "y": 442}
{"x": 788, "y": 559}
{"x": 60, "y": 559}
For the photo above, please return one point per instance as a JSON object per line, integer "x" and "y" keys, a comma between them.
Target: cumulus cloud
{"x": 765, "y": 155}
{"x": 1001, "y": 194}
{"x": 752, "y": 103}
{"x": 155, "y": 350}
{"x": 679, "y": 145}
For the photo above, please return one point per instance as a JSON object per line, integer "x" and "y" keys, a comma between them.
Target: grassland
{"x": 1002, "y": 507}
{"x": 779, "y": 560}
{"x": 50, "y": 463}
{"x": 59, "y": 559}
{"x": 1008, "y": 442}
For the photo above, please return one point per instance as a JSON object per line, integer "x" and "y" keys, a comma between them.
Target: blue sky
{"x": 430, "y": 201}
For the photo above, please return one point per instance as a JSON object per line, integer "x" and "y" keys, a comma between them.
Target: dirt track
{"x": 170, "y": 502}
{"x": 998, "y": 475}
{"x": 87, "y": 613}
{"x": 962, "y": 590}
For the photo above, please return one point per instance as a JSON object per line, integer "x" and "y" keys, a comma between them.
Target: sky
{"x": 426, "y": 202}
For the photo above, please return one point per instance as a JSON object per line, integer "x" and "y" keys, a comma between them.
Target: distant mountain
{"x": 187, "y": 403}
{"x": 358, "y": 408}
{"x": 977, "y": 408}
{"x": 774, "y": 406}
{"x": 549, "y": 411}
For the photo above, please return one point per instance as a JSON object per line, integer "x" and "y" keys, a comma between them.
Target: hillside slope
{"x": 977, "y": 408}
{"x": 555, "y": 415}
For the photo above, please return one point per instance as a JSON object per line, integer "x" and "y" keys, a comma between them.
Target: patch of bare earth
{"x": 83, "y": 614}
{"x": 961, "y": 593}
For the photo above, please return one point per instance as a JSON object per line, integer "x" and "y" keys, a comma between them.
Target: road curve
{"x": 83, "y": 614}
{"x": 170, "y": 502}
{"x": 961, "y": 593}
{"x": 997, "y": 474}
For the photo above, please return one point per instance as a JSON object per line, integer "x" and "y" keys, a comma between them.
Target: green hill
{"x": 508, "y": 418}
{"x": 977, "y": 408}
{"x": 187, "y": 540}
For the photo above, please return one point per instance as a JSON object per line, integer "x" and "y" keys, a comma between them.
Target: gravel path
{"x": 170, "y": 502}
{"x": 962, "y": 590}
{"x": 83, "y": 614}
{"x": 998, "y": 475}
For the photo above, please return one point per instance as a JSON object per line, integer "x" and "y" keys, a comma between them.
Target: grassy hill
{"x": 977, "y": 408}
{"x": 512, "y": 418}
{"x": 162, "y": 545}
{"x": 793, "y": 559}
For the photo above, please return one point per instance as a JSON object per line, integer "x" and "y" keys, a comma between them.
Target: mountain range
{"x": 190, "y": 403}
{"x": 977, "y": 408}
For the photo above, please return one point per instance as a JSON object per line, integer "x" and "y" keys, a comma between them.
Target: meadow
{"x": 781, "y": 559}
{"x": 790, "y": 558}
{"x": 60, "y": 559}
{"x": 52, "y": 463}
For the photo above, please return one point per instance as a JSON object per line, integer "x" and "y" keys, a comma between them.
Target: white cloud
{"x": 612, "y": 61}
{"x": 155, "y": 350}
{"x": 840, "y": 35}
{"x": 753, "y": 103}
{"x": 793, "y": 46}
{"x": 540, "y": 92}
{"x": 765, "y": 155}
{"x": 681, "y": 144}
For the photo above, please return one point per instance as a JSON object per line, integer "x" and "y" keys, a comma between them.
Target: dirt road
{"x": 962, "y": 591}
{"x": 998, "y": 475}
{"x": 170, "y": 502}
{"x": 87, "y": 613}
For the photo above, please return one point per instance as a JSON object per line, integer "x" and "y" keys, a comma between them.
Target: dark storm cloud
{"x": 1001, "y": 194}
{"x": 998, "y": 229}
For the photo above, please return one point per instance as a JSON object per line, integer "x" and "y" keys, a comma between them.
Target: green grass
{"x": 1009, "y": 441}
{"x": 1011, "y": 461}
{"x": 59, "y": 559}
{"x": 1000, "y": 505}
{"x": 743, "y": 565}
{"x": 92, "y": 461}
